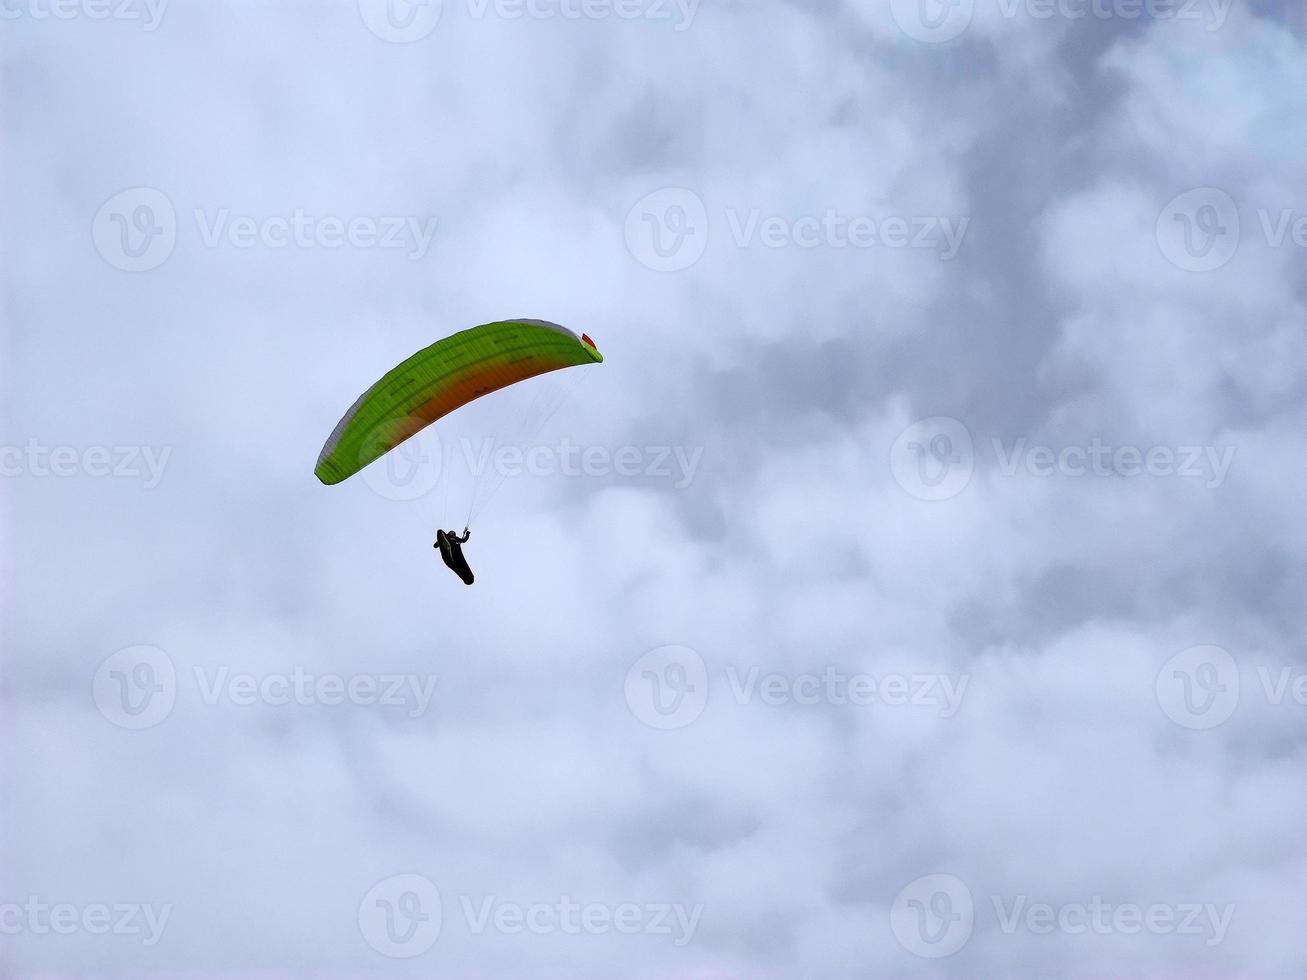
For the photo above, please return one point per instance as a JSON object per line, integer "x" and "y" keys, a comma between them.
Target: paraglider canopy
{"x": 441, "y": 378}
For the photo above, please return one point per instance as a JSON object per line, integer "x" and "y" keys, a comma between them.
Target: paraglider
{"x": 439, "y": 379}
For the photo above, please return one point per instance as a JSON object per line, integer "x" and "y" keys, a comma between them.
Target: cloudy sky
{"x": 915, "y": 590}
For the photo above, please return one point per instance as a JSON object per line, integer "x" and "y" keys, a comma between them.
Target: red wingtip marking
{"x": 586, "y": 338}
